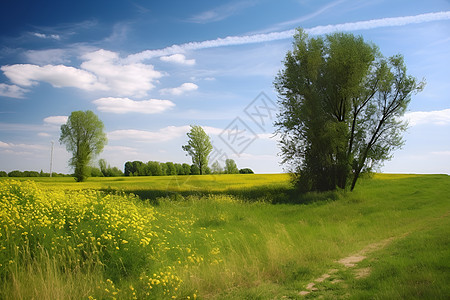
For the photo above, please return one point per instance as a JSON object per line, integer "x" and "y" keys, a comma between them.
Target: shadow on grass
{"x": 267, "y": 194}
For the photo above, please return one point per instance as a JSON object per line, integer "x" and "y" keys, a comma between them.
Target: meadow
{"x": 224, "y": 237}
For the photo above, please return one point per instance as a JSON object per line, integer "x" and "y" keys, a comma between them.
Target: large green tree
{"x": 341, "y": 103}
{"x": 84, "y": 137}
{"x": 198, "y": 147}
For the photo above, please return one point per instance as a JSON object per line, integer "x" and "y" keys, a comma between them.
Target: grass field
{"x": 224, "y": 237}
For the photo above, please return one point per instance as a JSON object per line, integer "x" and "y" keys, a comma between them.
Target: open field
{"x": 222, "y": 237}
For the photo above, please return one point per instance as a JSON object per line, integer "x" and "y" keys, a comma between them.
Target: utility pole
{"x": 51, "y": 159}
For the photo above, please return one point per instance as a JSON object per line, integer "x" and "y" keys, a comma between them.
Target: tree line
{"x": 17, "y": 173}
{"x": 155, "y": 168}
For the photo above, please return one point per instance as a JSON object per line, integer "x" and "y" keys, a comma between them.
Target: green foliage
{"x": 246, "y": 171}
{"x": 84, "y": 137}
{"x": 195, "y": 170}
{"x": 3, "y": 174}
{"x": 95, "y": 172}
{"x": 216, "y": 168}
{"x": 341, "y": 105}
{"x": 198, "y": 147}
{"x": 230, "y": 167}
{"x": 171, "y": 170}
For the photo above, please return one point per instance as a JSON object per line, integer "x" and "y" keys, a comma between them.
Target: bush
{"x": 246, "y": 171}
{"x": 3, "y": 174}
{"x": 15, "y": 173}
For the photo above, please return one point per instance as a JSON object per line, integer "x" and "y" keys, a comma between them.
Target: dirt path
{"x": 351, "y": 262}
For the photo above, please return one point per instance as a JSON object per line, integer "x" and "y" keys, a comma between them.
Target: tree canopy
{"x": 198, "y": 147}
{"x": 84, "y": 137}
{"x": 341, "y": 103}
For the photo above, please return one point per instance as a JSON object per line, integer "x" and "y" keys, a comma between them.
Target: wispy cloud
{"x": 307, "y": 17}
{"x": 437, "y": 117}
{"x": 48, "y": 56}
{"x": 185, "y": 87}
{"x": 125, "y": 105}
{"x": 221, "y": 12}
{"x": 12, "y": 91}
{"x": 178, "y": 59}
{"x": 56, "y": 120}
{"x": 47, "y": 36}
{"x": 287, "y": 34}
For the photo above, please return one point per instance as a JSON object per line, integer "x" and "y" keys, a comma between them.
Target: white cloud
{"x": 287, "y": 34}
{"x": 185, "y": 87}
{"x": 437, "y": 117}
{"x": 133, "y": 79}
{"x": 162, "y": 135}
{"x": 101, "y": 71}
{"x": 212, "y": 130}
{"x": 58, "y": 76}
{"x": 56, "y": 120}
{"x": 12, "y": 146}
{"x": 179, "y": 59}
{"x": 4, "y": 145}
{"x": 12, "y": 91}
{"x": 47, "y": 36}
{"x": 125, "y": 105}
{"x": 44, "y": 134}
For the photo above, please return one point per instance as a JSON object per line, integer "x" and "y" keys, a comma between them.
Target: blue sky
{"x": 149, "y": 69}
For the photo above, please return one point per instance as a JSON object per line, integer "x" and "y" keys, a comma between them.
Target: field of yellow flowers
{"x": 116, "y": 242}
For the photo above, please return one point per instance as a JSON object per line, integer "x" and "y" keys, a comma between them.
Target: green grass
{"x": 227, "y": 239}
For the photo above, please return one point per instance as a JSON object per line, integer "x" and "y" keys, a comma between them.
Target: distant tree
{"x": 186, "y": 168}
{"x": 170, "y": 168}
{"x": 84, "y": 137}
{"x": 179, "y": 169}
{"x": 103, "y": 167}
{"x": 15, "y": 173}
{"x": 107, "y": 171}
{"x": 341, "y": 104}
{"x": 207, "y": 170}
{"x": 230, "y": 167}
{"x": 155, "y": 168}
{"x": 30, "y": 174}
{"x": 199, "y": 147}
{"x": 163, "y": 169}
{"x": 3, "y": 174}
{"x": 216, "y": 168}
{"x": 95, "y": 172}
{"x": 194, "y": 170}
{"x": 246, "y": 171}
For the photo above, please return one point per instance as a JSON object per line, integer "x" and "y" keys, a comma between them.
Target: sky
{"x": 150, "y": 69}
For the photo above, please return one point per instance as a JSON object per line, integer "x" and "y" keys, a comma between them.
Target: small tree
{"x": 199, "y": 147}
{"x": 230, "y": 167}
{"x": 84, "y": 137}
{"x": 216, "y": 168}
